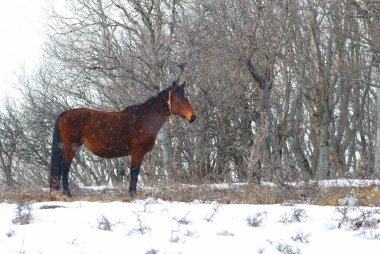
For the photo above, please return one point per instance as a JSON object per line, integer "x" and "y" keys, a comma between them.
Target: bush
{"x": 104, "y": 224}
{"x": 23, "y": 213}
{"x": 298, "y": 215}
{"x": 256, "y": 220}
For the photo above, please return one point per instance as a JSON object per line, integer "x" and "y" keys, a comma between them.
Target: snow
{"x": 324, "y": 183}
{"x": 157, "y": 226}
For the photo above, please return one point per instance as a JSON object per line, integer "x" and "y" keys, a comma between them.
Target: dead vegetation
{"x": 244, "y": 194}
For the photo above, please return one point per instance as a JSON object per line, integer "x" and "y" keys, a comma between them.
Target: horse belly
{"x": 107, "y": 149}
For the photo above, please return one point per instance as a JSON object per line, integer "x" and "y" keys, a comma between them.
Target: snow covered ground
{"x": 157, "y": 226}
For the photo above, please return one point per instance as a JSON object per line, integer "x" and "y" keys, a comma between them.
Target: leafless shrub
{"x": 189, "y": 233}
{"x": 367, "y": 219}
{"x": 152, "y": 251}
{"x": 256, "y": 220}
{"x": 104, "y": 224}
{"x": 261, "y": 251}
{"x": 287, "y": 249}
{"x": 183, "y": 220}
{"x": 283, "y": 248}
{"x": 301, "y": 237}
{"x": 10, "y": 233}
{"x": 344, "y": 211}
{"x": 361, "y": 218}
{"x": 297, "y": 215}
{"x": 215, "y": 209}
{"x": 147, "y": 203}
{"x": 174, "y": 238}
{"x": 141, "y": 228}
{"x": 23, "y": 213}
{"x": 371, "y": 234}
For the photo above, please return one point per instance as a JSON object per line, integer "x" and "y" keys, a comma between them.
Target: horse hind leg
{"x": 55, "y": 173}
{"x": 56, "y": 157}
{"x": 65, "y": 165}
{"x": 65, "y": 179}
{"x": 70, "y": 140}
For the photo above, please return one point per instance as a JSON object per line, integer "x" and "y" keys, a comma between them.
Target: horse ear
{"x": 174, "y": 83}
{"x": 183, "y": 84}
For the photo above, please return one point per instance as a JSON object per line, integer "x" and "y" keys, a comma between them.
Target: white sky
{"x": 22, "y": 23}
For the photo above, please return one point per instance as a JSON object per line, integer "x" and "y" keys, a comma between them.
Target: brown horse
{"x": 132, "y": 131}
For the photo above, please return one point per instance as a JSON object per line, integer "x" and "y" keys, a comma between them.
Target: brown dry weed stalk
{"x": 242, "y": 194}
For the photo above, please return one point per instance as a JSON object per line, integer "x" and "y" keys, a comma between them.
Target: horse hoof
{"x": 54, "y": 193}
{"x": 67, "y": 193}
{"x": 132, "y": 194}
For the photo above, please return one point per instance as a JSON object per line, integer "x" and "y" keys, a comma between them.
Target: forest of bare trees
{"x": 283, "y": 90}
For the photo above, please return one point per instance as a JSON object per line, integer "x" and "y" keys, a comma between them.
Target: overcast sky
{"x": 22, "y": 23}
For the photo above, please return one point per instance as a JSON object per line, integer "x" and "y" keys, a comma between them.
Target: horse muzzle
{"x": 192, "y": 119}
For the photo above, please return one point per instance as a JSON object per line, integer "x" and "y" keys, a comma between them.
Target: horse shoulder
{"x": 74, "y": 118}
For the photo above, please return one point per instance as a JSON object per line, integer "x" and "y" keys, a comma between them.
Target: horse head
{"x": 179, "y": 104}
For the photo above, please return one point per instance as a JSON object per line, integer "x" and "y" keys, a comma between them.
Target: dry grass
{"x": 247, "y": 194}
{"x": 367, "y": 196}
{"x": 26, "y": 194}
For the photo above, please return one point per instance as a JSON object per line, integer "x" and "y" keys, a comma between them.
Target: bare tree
{"x": 11, "y": 132}
{"x": 283, "y": 89}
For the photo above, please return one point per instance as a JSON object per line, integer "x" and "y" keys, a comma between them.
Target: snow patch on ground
{"x": 174, "y": 227}
{"x": 157, "y": 226}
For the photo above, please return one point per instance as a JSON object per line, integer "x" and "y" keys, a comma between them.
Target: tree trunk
{"x": 323, "y": 168}
{"x": 261, "y": 135}
{"x": 167, "y": 147}
{"x": 376, "y": 169}
{"x": 8, "y": 176}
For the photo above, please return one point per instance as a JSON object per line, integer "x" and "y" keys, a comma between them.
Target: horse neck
{"x": 158, "y": 106}
{"x": 159, "y": 103}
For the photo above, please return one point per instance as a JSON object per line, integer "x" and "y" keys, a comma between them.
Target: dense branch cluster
{"x": 283, "y": 89}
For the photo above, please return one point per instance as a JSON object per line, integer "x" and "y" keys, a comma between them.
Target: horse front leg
{"x": 136, "y": 160}
{"x": 135, "y": 171}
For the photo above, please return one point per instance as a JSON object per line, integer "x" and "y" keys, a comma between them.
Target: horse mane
{"x": 159, "y": 94}
{"x": 154, "y": 101}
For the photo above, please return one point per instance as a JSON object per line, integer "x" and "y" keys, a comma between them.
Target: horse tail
{"x": 56, "y": 156}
